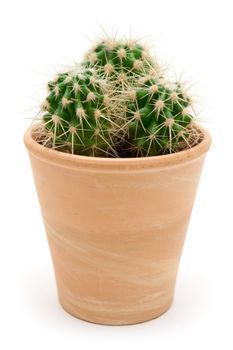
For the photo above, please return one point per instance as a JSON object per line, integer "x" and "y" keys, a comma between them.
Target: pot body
{"x": 116, "y": 228}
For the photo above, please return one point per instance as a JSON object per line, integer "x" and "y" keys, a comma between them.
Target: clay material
{"x": 116, "y": 228}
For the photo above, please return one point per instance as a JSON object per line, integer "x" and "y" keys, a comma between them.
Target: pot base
{"x": 143, "y": 317}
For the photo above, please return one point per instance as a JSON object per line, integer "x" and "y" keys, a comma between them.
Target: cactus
{"x": 120, "y": 61}
{"x": 117, "y": 103}
{"x": 158, "y": 118}
{"x": 76, "y": 114}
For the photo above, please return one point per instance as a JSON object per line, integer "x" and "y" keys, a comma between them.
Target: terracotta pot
{"x": 116, "y": 228}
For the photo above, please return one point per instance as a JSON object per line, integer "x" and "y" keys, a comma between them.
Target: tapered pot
{"x": 116, "y": 228}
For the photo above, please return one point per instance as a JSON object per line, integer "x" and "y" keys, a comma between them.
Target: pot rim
{"x": 68, "y": 160}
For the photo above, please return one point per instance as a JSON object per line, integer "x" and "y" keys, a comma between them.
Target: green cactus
{"x": 117, "y": 104}
{"x": 158, "y": 118}
{"x": 120, "y": 61}
{"x": 76, "y": 114}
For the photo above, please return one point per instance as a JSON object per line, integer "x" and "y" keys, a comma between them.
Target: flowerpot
{"x": 116, "y": 228}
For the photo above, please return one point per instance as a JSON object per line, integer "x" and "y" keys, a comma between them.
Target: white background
{"x": 37, "y": 36}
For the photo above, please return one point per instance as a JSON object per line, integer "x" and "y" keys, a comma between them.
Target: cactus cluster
{"x": 117, "y": 103}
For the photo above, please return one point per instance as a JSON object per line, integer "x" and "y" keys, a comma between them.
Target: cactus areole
{"x": 117, "y": 103}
